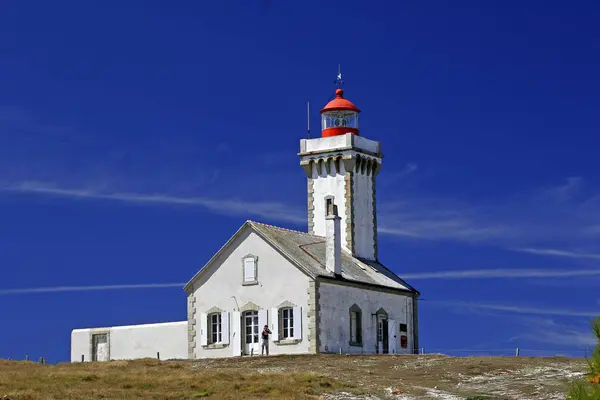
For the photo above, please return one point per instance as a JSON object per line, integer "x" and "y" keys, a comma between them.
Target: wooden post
{"x": 82, "y": 358}
{"x": 158, "y": 355}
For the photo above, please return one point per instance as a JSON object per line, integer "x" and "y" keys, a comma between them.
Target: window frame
{"x": 255, "y": 261}
{"x": 355, "y": 329}
{"x": 286, "y": 333}
{"x": 210, "y": 327}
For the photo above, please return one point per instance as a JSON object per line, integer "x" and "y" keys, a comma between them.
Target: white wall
{"x": 80, "y": 345}
{"x": 221, "y": 287}
{"x": 324, "y": 185}
{"x": 135, "y": 341}
{"x": 364, "y": 245}
{"x": 335, "y": 302}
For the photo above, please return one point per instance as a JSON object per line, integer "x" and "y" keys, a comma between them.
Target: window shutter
{"x": 392, "y": 336}
{"x": 262, "y": 320}
{"x": 204, "y": 329}
{"x": 225, "y": 327}
{"x": 236, "y": 335}
{"x": 249, "y": 270}
{"x": 298, "y": 322}
{"x": 275, "y": 323}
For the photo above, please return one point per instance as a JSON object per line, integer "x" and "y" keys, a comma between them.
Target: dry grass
{"x": 295, "y": 377}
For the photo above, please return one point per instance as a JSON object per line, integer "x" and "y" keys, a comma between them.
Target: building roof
{"x": 340, "y": 103}
{"x": 308, "y": 253}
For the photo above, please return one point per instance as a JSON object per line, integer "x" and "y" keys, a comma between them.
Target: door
{"x": 251, "y": 330}
{"x": 382, "y": 335}
{"x": 100, "y": 347}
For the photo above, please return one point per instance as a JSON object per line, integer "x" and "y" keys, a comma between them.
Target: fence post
{"x": 82, "y": 358}
{"x": 158, "y": 355}
{"x": 517, "y": 354}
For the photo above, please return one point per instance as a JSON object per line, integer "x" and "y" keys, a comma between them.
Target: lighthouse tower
{"x": 342, "y": 168}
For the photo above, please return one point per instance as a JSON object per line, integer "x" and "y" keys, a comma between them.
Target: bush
{"x": 590, "y": 388}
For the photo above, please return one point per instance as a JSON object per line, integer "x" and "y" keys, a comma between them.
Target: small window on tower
{"x": 403, "y": 328}
{"x": 329, "y": 206}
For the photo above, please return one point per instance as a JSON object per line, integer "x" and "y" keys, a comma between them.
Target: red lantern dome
{"x": 339, "y": 116}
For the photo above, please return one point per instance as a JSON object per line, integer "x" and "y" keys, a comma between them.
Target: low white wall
{"x": 135, "y": 341}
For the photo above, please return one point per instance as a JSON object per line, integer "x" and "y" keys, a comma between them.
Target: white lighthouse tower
{"x": 342, "y": 168}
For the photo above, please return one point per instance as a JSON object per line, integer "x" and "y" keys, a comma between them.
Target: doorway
{"x": 100, "y": 350}
{"x": 383, "y": 342}
{"x": 251, "y": 342}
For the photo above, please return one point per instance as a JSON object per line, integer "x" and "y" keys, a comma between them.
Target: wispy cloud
{"x": 564, "y": 217}
{"x": 269, "y": 210}
{"x": 543, "y": 330}
{"x": 514, "y": 309}
{"x": 393, "y": 177}
{"x": 59, "y": 289}
{"x": 559, "y": 253}
{"x": 503, "y": 273}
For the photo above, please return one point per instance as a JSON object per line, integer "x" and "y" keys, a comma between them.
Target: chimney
{"x": 333, "y": 242}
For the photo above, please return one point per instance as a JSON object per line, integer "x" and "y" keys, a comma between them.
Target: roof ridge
{"x": 280, "y": 228}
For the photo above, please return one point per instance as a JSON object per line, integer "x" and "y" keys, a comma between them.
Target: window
{"x": 355, "y": 326}
{"x": 215, "y": 328}
{"x": 403, "y": 328}
{"x": 287, "y": 323}
{"x": 250, "y": 269}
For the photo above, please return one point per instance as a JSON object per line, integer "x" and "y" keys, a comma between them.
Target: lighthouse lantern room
{"x": 339, "y": 116}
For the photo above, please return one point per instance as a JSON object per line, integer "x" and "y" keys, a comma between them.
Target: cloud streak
{"x": 503, "y": 273}
{"x": 60, "y": 289}
{"x": 542, "y": 330}
{"x": 559, "y": 253}
{"x": 515, "y": 309}
{"x": 272, "y": 210}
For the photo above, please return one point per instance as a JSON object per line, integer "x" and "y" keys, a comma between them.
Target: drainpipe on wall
{"x": 415, "y": 324}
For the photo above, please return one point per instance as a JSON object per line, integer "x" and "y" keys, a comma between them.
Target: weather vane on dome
{"x": 338, "y": 80}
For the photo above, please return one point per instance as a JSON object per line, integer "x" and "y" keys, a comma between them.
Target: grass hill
{"x": 297, "y": 377}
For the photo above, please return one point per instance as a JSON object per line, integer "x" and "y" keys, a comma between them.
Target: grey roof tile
{"x": 309, "y": 252}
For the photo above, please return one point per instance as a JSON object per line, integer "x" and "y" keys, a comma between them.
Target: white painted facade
{"x": 335, "y": 302}
{"x": 326, "y": 161}
{"x": 364, "y": 239}
{"x": 165, "y": 341}
{"x": 332, "y": 185}
{"x": 283, "y": 280}
{"x": 220, "y": 288}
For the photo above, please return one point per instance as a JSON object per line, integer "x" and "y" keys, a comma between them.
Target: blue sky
{"x": 136, "y": 137}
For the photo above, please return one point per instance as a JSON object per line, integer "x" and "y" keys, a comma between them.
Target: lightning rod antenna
{"x": 308, "y": 116}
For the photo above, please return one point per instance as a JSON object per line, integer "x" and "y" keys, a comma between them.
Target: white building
{"x": 318, "y": 291}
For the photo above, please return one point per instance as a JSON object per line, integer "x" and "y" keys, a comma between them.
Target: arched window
{"x": 355, "y": 326}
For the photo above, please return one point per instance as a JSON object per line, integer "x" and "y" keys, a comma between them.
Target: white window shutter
{"x": 249, "y": 270}
{"x": 298, "y": 322}
{"x": 275, "y": 323}
{"x": 262, "y": 320}
{"x": 236, "y": 333}
{"x": 203, "y": 329}
{"x": 225, "y": 327}
{"x": 392, "y": 336}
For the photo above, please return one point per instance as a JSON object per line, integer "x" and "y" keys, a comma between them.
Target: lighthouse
{"x": 342, "y": 167}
